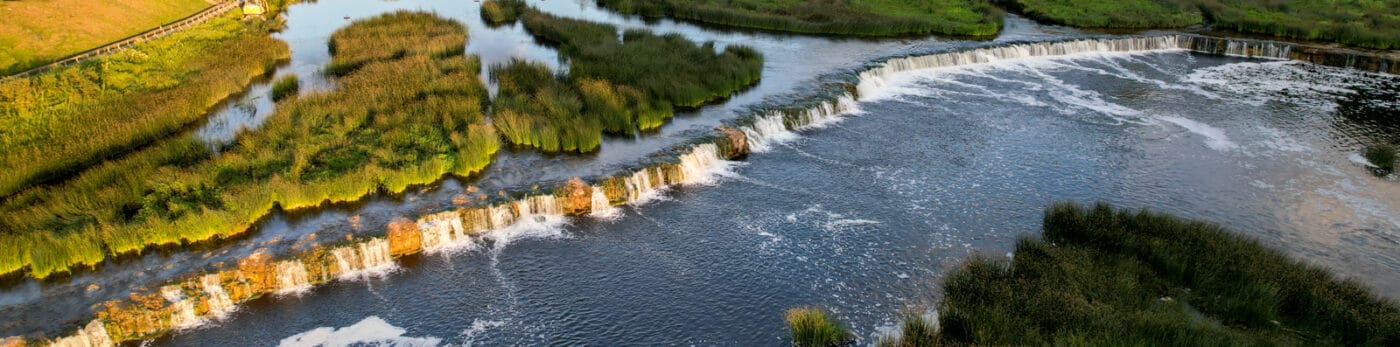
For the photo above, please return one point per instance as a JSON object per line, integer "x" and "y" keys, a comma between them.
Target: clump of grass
{"x": 1383, "y": 157}
{"x": 1103, "y": 276}
{"x": 284, "y": 87}
{"x": 498, "y": 12}
{"x": 395, "y": 120}
{"x": 915, "y": 330}
{"x": 862, "y": 18}
{"x": 811, "y": 327}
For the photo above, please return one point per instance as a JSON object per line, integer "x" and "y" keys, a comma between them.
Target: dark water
{"x": 862, "y": 217}
{"x": 866, "y": 215}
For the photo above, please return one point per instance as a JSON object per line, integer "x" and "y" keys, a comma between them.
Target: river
{"x": 862, "y": 215}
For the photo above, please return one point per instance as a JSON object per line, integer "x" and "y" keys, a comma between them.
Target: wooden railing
{"x": 166, "y": 29}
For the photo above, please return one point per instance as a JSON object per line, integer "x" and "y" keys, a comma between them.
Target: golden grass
{"x": 35, "y": 32}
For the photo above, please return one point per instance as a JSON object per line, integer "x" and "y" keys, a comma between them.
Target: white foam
{"x": 1215, "y": 137}
{"x": 370, "y": 331}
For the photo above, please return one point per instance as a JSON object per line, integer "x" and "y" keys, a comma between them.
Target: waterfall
{"x": 537, "y": 205}
{"x": 1236, "y": 47}
{"x": 774, "y": 127}
{"x": 640, "y": 188}
{"x": 291, "y": 277}
{"x": 92, "y": 335}
{"x": 182, "y": 314}
{"x": 602, "y": 208}
{"x": 369, "y": 258}
{"x": 219, "y": 303}
{"x": 702, "y": 164}
{"x": 442, "y": 231}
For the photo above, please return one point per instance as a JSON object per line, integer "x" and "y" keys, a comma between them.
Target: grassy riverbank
{"x": 1368, "y": 24}
{"x": 612, "y": 86}
{"x": 407, "y": 110}
{"x": 860, "y": 17}
{"x": 1100, "y": 276}
{"x": 57, "y": 124}
{"x": 1137, "y": 14}
{"x": 34, "y": 33}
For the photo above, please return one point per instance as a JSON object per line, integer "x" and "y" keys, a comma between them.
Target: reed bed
{"x": 612, "y": 86}
{"x": 1101, "y": 276}
{"x": 858, "y": 18}
{"x": 395, "y": 120}
{"x": 57, "y": 124}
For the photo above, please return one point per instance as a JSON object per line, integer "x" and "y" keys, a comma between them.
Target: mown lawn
{"x": 35, "y": 32}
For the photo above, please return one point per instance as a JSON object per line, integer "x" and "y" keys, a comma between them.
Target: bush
{"x": 286, "y": 86}
{"x": 811, "y": 328}
{"x": 1382, "y": 156}
{"x": 1114, "y": 277}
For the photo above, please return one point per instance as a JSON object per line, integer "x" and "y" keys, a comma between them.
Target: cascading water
{"x": 364, "y": 259}
{"x": 701, "y": 165}
{"x": 220, "y": 305}
{"x": 91, "y": 335}
{"x": 601, "y": 207}
{"x": 291, "y": 277}
{"x": 442, "y": 231}
{"x": 181, "y": 308}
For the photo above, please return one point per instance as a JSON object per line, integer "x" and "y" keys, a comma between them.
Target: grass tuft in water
{"x": 284, "y": 87}
{"x": 811, "y": 327}
{"x": 1383, "y": 157}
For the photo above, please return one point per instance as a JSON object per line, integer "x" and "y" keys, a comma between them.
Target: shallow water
{"x": 865, "y": 216}
{"x": 862, "y": 216}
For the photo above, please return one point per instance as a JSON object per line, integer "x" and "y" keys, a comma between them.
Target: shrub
{"x": 1102, "y": 276}
{"x": 811, "y": 328}
{"x": 286, "y": 86}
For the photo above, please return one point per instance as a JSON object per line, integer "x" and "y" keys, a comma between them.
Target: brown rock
{"x": 12, "y": 341}
{"x": 460, "y": 199}
{"x": 404, "y": 237}
{"x": 257, "y": 270}
{"x": 578, "y": 197}
{"x": 738, "y": 142}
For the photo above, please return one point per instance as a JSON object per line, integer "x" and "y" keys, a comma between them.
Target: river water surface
{"x": 861, "y": 216}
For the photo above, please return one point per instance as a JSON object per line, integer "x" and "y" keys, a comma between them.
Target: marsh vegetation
{"x": 1101, "y": 276}
{"x": 408, "y": 109}
{"x": 613, "y": 85}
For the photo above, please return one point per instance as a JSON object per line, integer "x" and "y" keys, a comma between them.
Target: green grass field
{"x": 1361, "y": 23}
{"x": 1110, "y": 14}
{"x": 408, "y": 110}
{"x": 36, "y": 32}
{"x": 837, "y": 17}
